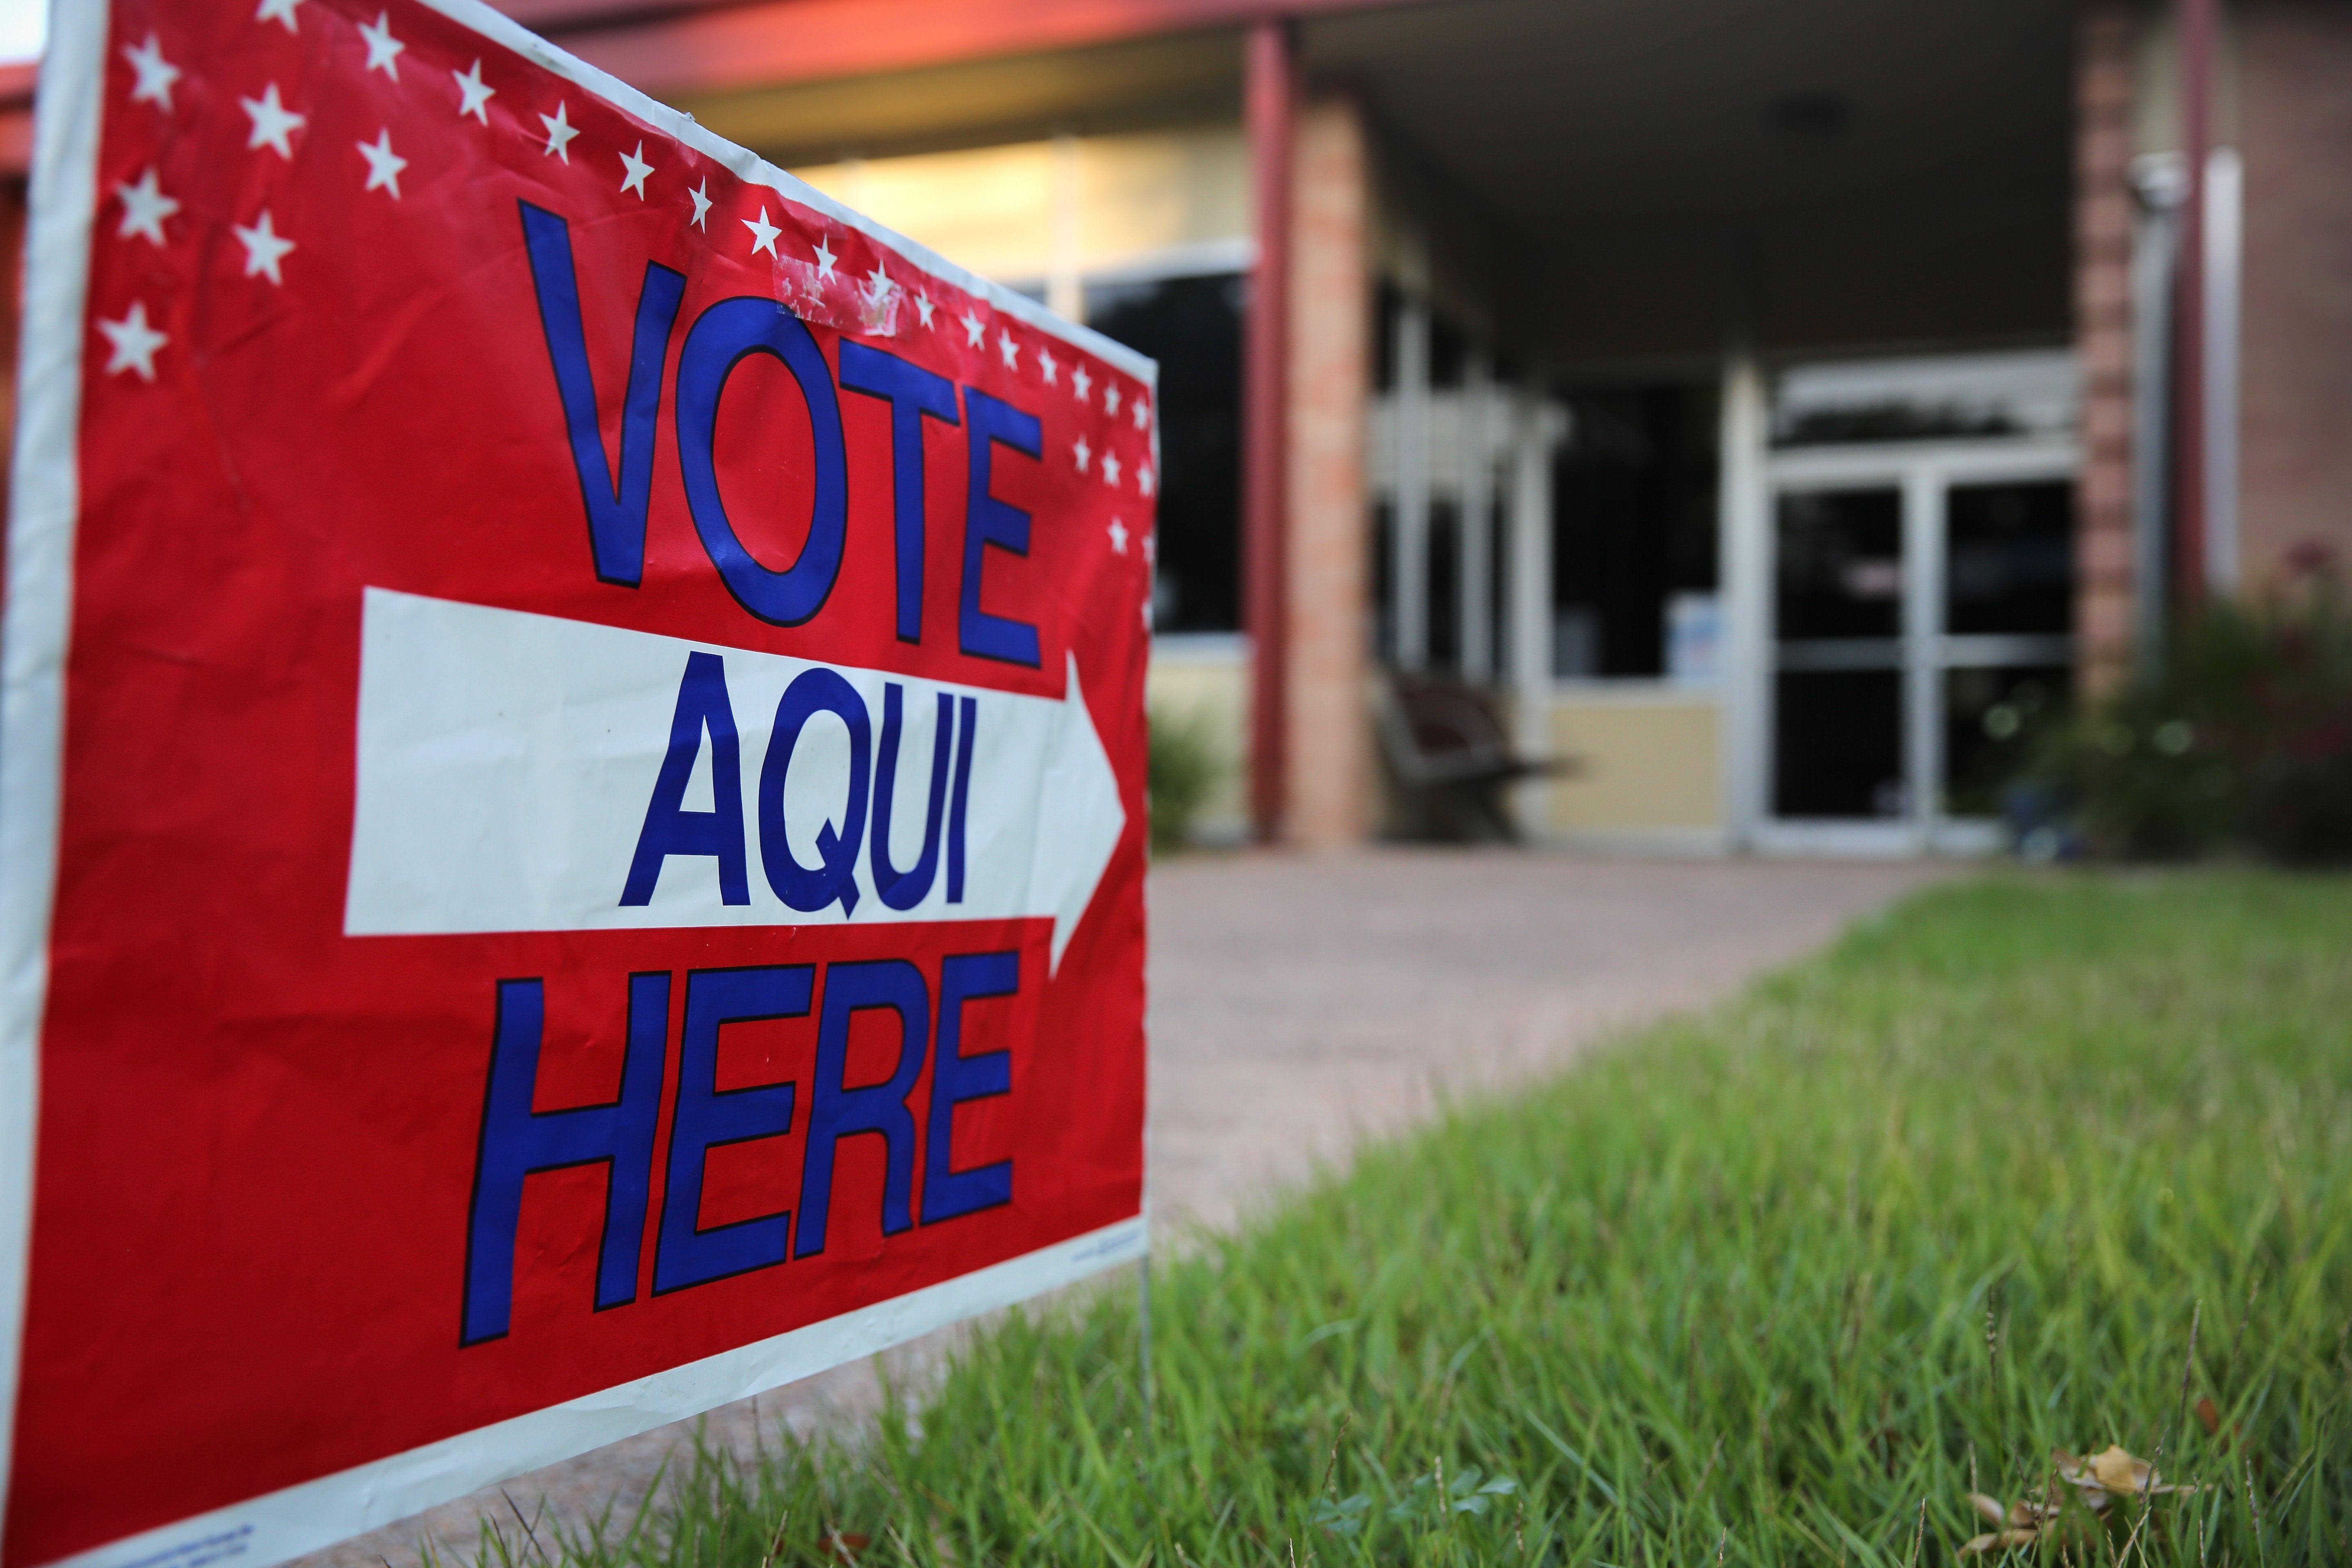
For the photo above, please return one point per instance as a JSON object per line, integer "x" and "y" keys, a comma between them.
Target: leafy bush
{"x": 1182, "y": 769}
{"x": 2242, "y": 738}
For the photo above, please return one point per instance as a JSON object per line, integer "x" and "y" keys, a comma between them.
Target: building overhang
{"x": 718, "y": 52}
{"x": 670, "y": 47}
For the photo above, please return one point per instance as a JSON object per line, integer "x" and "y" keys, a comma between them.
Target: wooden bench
{"x": 1452, "y": 759}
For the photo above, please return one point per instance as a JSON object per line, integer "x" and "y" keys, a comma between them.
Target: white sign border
{"x": 35, "y": 629}
{"x": 36, "y": 635}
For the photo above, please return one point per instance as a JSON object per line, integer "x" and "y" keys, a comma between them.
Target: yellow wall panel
{"x": 990, "y": 208}
{"x": 1651, "y": 760}
{"x": 1005, "y": 212}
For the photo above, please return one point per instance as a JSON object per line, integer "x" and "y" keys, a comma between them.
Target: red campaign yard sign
{"x": 572, "y": 780}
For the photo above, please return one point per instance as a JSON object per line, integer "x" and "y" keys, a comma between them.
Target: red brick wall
{"x": 2295, "y": 395}
{"x": 2103, "y": 231}
{"x": 1329, "y": 587}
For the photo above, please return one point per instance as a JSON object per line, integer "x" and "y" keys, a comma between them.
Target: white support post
{"x": 1527, "y": 582}
{"x": 1408, "y": 536}
{"x": 2160, "y": 183}
{"x": 1744, "y": 511}
{"x": 2224, "y": 235}
{"x": 1474, "y": 557}
{"x": 1923, "y": 635}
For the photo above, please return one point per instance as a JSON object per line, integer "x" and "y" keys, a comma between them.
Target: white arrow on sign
{"x": 507, "y": 761}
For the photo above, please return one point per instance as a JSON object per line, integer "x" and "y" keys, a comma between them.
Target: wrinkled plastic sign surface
{"x": 571, "y": 779}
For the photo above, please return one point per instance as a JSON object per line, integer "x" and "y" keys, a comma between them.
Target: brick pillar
{"x": 2103, "y": 342}
{"x": 1328, "y": 581}
{"x": 2296, "y": 472}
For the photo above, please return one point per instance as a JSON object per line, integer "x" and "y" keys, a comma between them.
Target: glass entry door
{"x": 1837, "y": 668}
{"x": 1920, "y": 602}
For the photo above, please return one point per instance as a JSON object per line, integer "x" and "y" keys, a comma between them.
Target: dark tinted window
{"x": 1838, "y": 743}
{"x": 1993, "y": 719}
{"x": 1634, "y": 504}
{"x": 1841, "y": 564}
{"x": 2012, "y": 563}
{"x": 1192, "y": 326}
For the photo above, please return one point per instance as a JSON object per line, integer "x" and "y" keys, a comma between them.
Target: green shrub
{"x": 1182, "y": 769}
{"x": 2242, "y": 738}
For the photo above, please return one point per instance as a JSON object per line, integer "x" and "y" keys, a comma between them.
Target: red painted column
{"x": 1271, "y": 94}
{"x": 2189, "y": 354}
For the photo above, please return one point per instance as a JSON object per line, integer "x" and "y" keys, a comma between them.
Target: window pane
{"x": 2012, "y": 563}
{"x": 1444, "y": 584}
{"x": 1839, "y": 563}
{"x": 1192, "y": 327}
{"x": 1838, "y": 743}
{"x": 1992, "y": 717}
{"x": 1634, "y": 502}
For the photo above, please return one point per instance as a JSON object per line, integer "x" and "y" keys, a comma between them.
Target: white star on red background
{"x": 155, "y": 73}
{"x": 559, "y": 131}
{"x": 147, "y": 211}
{"x": 473, "y": 98}
{"x": 633, "y": 170}
{"x": 265, "y": 247}
{"x": 1118, "y": 536}
{"x": 134, "y": 342}
{"x": 384, "y": 165}
{"x": 273, "y": 123}
{"x": 763, "y": 233}
{"x": 144, "y": 208}
{"x": 384, "y": 49}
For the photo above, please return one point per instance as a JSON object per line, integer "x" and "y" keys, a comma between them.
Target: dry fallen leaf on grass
{"x": 2019, "y": 1524}
{"x": 2115, "y": 1471}
{"x": 2097, "y": 1482}
{"x": 1999, "y": 1540}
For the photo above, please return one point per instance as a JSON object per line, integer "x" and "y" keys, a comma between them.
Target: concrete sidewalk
{"x": 1299, "y": 1006}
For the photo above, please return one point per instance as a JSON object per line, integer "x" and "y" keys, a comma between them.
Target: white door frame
{"x": 1924, "y": 472}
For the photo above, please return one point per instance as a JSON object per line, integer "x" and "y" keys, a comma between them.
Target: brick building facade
{"x": 1765, "y": 407}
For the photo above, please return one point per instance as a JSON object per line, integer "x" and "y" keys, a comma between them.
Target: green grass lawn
{"x": 1745, "y": 1289}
